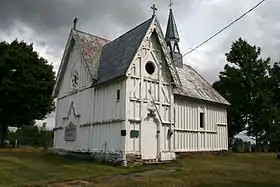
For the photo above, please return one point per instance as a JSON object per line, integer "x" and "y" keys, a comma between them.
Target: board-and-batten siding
{"x": 139, "y": 99}
{"x": 101, "y": 115}
{"x": 74, "y": 62}
{"x": 188, "y": 134}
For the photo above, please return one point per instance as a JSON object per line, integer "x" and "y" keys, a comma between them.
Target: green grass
{"x": 34, "y": 168}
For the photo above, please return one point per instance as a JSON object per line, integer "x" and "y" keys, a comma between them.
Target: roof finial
{"x": 75, "y": 22}
{"x": 170, "y": 4}
{"x": 154, "y": 10}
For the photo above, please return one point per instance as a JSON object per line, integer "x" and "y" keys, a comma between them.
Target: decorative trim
{"x": 57, "y": 128}
{"x": 135, "y": 99}
{"x": 135, "y": 120}
{"x": 147, "y": 101}
{"x": 102, "y": 122}
{"x": 222, "y": 124}
{"x": 166, "y": 123}
{"x": 135, "y": 77}
{"x": 190, "y": 130}
{"x": 108, "y": 121}
{"x": 63, "y": 63}
{"x": 74, "y": 92}
{"x": 72, "y": 106}
{"x": 86, "y": 125}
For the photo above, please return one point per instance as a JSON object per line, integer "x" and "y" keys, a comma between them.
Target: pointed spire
{"x": 171, "y": 30}
{"x": 172, "y": 39}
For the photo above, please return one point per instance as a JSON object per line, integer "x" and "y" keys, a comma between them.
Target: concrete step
{"x": 138, "y": 157}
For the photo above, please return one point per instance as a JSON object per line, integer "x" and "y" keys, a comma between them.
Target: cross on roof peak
{"x": 75, "y": 22}
{"x": 154, "y": 10}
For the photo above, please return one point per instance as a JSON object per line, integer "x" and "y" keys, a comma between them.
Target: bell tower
{"x": 172, "y": 39}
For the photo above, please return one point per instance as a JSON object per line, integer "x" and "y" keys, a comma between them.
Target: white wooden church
{"x": 133, "y": 96}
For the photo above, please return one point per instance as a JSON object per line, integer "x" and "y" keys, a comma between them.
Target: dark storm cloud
{"x": 47, "y": 24}
{"x": 52, "y": 19}
{"x": 55, "y": 14}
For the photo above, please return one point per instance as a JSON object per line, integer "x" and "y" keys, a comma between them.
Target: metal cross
{"x": 154, "y": 10}
{"x": 170, "y": 4}
{"x": 75, "y": 22}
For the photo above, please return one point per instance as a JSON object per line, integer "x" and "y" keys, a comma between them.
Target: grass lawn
{"x": 35, "y": 168}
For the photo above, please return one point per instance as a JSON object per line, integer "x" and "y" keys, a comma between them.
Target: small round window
{"x": 150, "y": 68}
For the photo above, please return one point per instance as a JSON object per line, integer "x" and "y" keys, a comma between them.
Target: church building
{"x": 133, "y": 97}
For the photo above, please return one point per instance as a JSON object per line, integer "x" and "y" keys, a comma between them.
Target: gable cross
{"x": 75, "y": 22}
{"x": 154, "y": 10}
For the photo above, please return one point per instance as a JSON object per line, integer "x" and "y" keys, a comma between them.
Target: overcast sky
{"x": 47, "y": 23}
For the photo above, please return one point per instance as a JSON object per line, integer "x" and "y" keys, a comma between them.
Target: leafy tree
{"x": 272, "y": 134}
{"x": 26, "y": 84}
{"x": 245, "y": 83}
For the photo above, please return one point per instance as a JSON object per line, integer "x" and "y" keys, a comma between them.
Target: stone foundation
{"x": 132, "y": 158}
{"x": 110, "y": 156}
{"x": 185, "y": 154}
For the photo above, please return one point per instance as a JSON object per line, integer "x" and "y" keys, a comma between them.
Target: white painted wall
{"x": 74, "y": 62}
{"x": 101, "y": 115}
{"x": 188, "y": 134}
{"x": 139, "y": 100}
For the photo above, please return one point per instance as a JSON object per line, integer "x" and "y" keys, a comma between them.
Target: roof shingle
{"x": 91, "y": 49}
{"x": 194, "y": 86}
{"x": 117, "y": 55}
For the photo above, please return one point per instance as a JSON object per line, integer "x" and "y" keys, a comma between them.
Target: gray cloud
{"x": 52, "y": 19}
{"x": 47, "y": 23}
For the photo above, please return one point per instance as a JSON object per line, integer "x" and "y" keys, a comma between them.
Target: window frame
{"x": 202, "y": 120}
{"x": 118, "y": 95}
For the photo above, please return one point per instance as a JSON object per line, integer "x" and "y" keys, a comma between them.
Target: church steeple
{"x": 172, "y": 39}
{"x": 171, "y": 30}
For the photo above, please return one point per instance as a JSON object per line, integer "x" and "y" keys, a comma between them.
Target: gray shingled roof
{"x": 117, "y": 55}
{"x": 194, "y": 86}
{"x": 108, "y": 60}
{"x": 91, "y": 46}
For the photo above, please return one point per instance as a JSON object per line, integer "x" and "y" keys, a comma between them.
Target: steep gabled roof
{"x": 107, "y": 60}
{"x": 90, "y": 47}
{"x": 194, "y": 86}
{"x": 117, "y": 55}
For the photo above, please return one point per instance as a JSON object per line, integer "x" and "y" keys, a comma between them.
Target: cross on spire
{"x": 170, "y": 4}
{"x": 154, "y": 10}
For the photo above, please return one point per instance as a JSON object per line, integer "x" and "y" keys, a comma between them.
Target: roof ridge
{"x": 121, "y": 36}
{"x": 92, "y": 35}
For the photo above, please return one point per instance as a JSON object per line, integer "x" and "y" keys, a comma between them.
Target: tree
{"x": 272, "y": 134}
{"x": 245, "y": 83}
{"x": 26, "y": 84}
